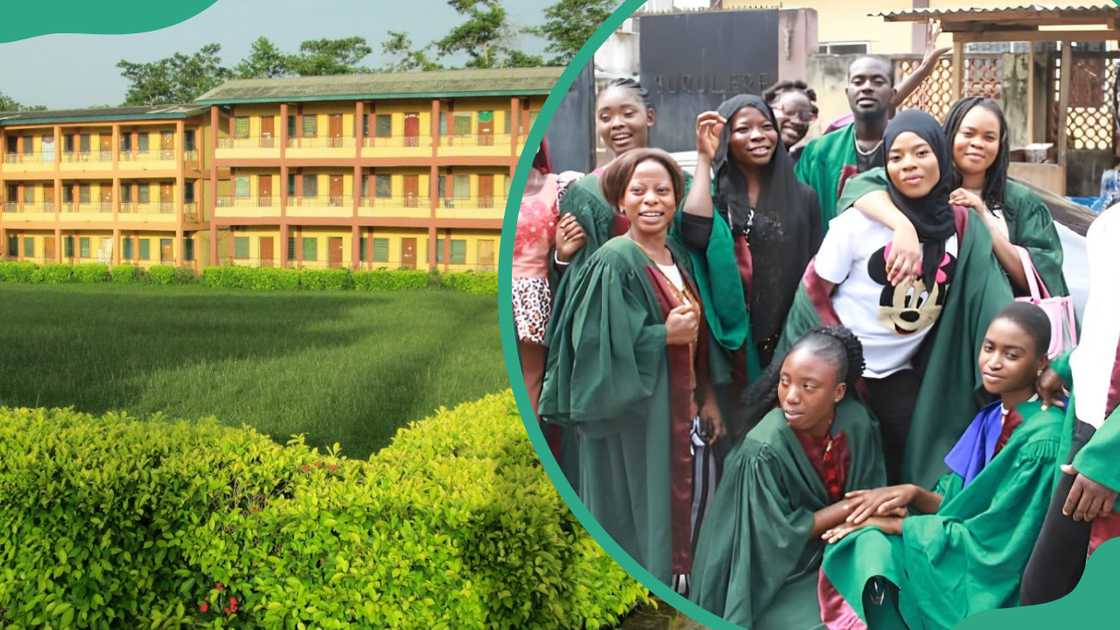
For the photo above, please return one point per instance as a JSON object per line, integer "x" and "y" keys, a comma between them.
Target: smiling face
{"x": 753, "y": 138}
{"x": 912, "y": 165}
{"x": 794, "y": 113}
{"x": 808, "y": 391}
{"x": 1008, "y": 360}
{"x": 622, "y": 120}
{"x": 976, "y": 143}
{"x": 650, "y": 200}
{"x": 869, "y": 88}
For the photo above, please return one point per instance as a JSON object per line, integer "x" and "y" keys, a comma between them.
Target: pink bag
{"x": 1063, "y": 320}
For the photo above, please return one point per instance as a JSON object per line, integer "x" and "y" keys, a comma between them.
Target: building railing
{"x": 398, "y": 141}
{"x": 476, "y": 140}
{"x": 229, "y": 201}
{"x": 251, "y": 142}
{"x": 22, "y": 158}
{"x": 402, "y": 201}
{"x": 321, "y": 142}
{"x": 472, "y": 202}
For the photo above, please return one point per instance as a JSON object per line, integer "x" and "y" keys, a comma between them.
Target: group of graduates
{"x": 797, "y": 386}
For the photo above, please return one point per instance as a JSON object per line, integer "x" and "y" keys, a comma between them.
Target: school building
{"x": 360, "y": 171}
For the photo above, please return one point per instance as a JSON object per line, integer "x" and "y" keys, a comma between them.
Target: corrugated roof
{"x": 102, "y": 114}
{"x": 1040, "y": 10}
{"x": 387, "y": 85}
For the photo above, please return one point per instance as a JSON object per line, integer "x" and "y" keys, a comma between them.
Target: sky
{"x": 72, "y": 71}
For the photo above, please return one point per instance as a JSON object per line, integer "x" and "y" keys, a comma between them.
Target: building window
{"x": 843, "y": 48}
{"x": 83, "y": 193}
{"x": 362, "y": 248}
{"x": 462, "y": 187}
{"x": 458, "y": 252}
{"x": 47, "y": 154}
{"x": 188, "y": 193}
{"x": 13, "y": 246}
{"x": 380, "y": 250}
{"x": 443, "y": 123}
{"x": 188, "y": 140}
{"x": 309, "y": 251}
{"x": 28, "y": 145}
{"x": 310, "y": 126}
{"x": 291, "y": 248}
{"x": 241, "y": 127}
{"x": 145, "y": 194}
{"x": 242, "y": 191}
{"x": 67, "y": 194}
{"x": 507, "y": 116}
{"x": 462, "y": 124}
{"x": 83, "y": 143}
{"x": 68, "y": 246}
{"x": 28, "y": 194}
{"x": 28, "y": 246}
{"x": 188, "y": 249}
{"x": 145, "y": 248}
{"x": 310, "y": 185}
{"x": 439, "y": 250}
{"x": 241, "y": 248}
{"x": 142, "y": 143}
{"x": 126, "y": 248}
{"x": 384, "y": 185}
{"x": 13, "y": 144}
{"x": 83, "y": 247}
{"x": 384, "y": 126}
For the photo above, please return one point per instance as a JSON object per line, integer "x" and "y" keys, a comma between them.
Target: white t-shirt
{"x": 890, "y": 321}
{"x": 673, "y": 274}
{"x": 1094, "y": 359}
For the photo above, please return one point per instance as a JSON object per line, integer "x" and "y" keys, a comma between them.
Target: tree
{"x": 179, "y": 78}
{"x": 320, "y": 57}
{"x": 9, "y": 104}
{"x": 569, "y": 24}
{"x": 486, "y": 37}
{"x": 399, "y": 45}
{"x": 265, "y": 61}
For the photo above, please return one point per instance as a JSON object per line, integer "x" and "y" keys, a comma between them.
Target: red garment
{"x": 829, "y": 456}
{"x": 620, "y": 225}
{"x": 1010, "y": 422}
{"x": 746, "y": 264}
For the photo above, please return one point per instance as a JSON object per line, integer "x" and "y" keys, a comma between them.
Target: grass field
{"x": 336, "y": 366}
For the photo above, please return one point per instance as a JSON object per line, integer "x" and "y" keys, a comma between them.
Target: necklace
{"x": 869, "y": 151}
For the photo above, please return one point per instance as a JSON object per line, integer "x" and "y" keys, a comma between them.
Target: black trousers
{"x": 892, "y": 401}
{"x": 1059, "y": 553}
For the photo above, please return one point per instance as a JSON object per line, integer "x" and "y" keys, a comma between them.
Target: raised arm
{"x": 924, "y": 69}
{"x": 708, "y": 127}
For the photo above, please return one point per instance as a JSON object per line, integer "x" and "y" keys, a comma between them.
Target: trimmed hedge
{"x": 254, "y": 278}
{"x": 109, "y": 521}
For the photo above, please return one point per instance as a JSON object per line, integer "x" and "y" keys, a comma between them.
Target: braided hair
{"x": 835, "y": 344}
{"x": 626, "y": 83}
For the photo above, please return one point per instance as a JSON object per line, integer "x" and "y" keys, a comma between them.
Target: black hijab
{"x": 778, "y": 181}
{"x": 931, "y": 216}
{"x": 995, "y": 179}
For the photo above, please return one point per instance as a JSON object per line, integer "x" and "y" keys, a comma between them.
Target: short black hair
{"x": 1033, "y": 320}
{"x": 886, "y": 63}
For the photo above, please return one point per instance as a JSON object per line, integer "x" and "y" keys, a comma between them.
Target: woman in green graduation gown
{"x": 760, "y": 546}
{"x": 627, "y": 369}
{"x": 1016, "y": 217}
{"x": 964, "y": 549}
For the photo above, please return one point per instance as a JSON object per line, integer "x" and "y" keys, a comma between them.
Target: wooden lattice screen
{"x": 982, "y": 77}
{"x": 1089, "y": 116}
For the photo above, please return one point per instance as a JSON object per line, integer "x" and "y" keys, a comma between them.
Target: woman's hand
{"x": 1051, "y": 389}
{"x": 570, "y": 238}
{"x": 905, "y": 258}
{"x": 708, "y": 127}
{"x": 682, "y": 325}
{"x": 867, "y": 504}
{"x": 968, "y": 199}
{"x": 887, "y": 524}
{"x": 712, "y": 420}
{"x": 1087, "y": 499}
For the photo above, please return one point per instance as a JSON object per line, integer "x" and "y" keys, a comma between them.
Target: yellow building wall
{"x": 254, "y": 234}
{"x": 322, "y": 238}
{"x": 153, "y": 240}
{"x": 475, "y": 241}
{"x": 395, "y": 238}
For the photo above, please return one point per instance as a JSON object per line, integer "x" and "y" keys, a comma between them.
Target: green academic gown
{"x": 1029, "y": 223}
{"x": 608, "y": 376}
{"x": 756, "y": 561}
{"x": 969, "y": 556}
{"x": 950, "y": 391}
{"x": 821, "y": 164}
{"x": 1097, "y": 459}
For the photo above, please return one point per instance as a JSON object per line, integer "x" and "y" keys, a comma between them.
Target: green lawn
{"x": 337, "y": 366}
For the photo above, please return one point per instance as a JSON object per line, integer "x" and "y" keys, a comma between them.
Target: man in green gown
{"x": 828, "y": 161}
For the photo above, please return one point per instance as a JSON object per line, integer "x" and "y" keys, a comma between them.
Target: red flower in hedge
{"x": 233, "y": 604}
{"x": 219, "y": 586}
{"x": 203, "y": 607}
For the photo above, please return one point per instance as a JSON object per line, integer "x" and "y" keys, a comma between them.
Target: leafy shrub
{"x": 476, "y": 283}
{"x": 91, "y": 273}
{"x": 17, "y": 271}
{"x": 53, "y": 274}
{"x": 168, "y": 275}
{"x": 125, "y": 274}
{"x": 395, "y": 280}
{"x": 109, "y": 523}
{"x": 326, "y": 279}
{"x": 273, "y": 279}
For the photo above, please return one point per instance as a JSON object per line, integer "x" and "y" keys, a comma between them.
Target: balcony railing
{"x": 321, "y": 142}
{"x": 21, "y": 158}
{"x": 472, "y": 202}
{"x": 334, "y": 201}
{"x": 254, "y": 142}
{"x": 476, "y": 140}
{"x": 29, "y": 206}
{"x": 247, "y": 202}
{"x": 398, "y": 141}
{"x": 406, "y": 201}
{"x": 105, "y": 206}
